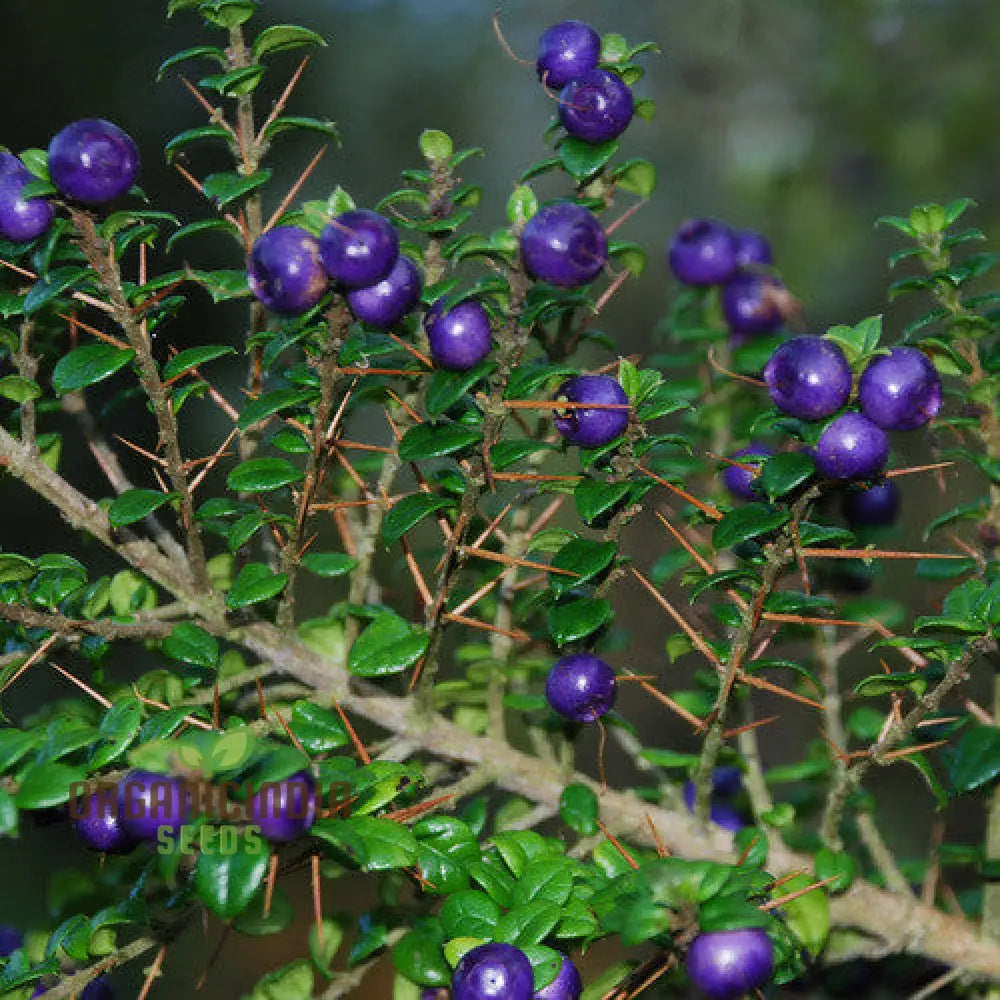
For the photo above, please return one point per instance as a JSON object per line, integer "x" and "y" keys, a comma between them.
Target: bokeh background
{"x": 804, "y": 120}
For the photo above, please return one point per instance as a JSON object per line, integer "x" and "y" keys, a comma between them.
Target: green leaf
{"x": 784, "y": 472}
{"x": 420, "y": 957}
{"x": 470, "y": 913}
{"x": 577, "y": 619}
{"x": 203, "y": 226}
{"x": 224, "y": 188}
{"x": 879, "y": 684}
{"x": 50, "y": 286}
{"x": 578, "y": 809}
{"x": 14, "y": 568}
{"x": 323, "y": 954}
{"x": 285, "y": 123}
{"x": 255, "y": 923}
{"x": 808, "y": 915}
{"x": 134, "y": 505}
{"x": 117, "y": 731}
{"x": 410, "y": 511}
{"x": 976, "y": 759}
{"x": 636, "y": 176}
{"x": 375, "y": 844}
{"x": 582, "y": 160}
{"x": 548, "y": 880}
{"x": 227, "y": 13}
{"x": 521, "y": 205}
{"x": 272, "y": 402}
{"x": 294, "y": 981}
{"x": 226, "y": 883}
{"x": 594, "y": 498}
{"x": 428, "y": 440}
{"x": 18, "y": 389}
{"x": 87, "y": 365}
{"x": 749, "y": 521}
{"x": 255, "y": 583}
{"x": 328, "y": 564}
{"x": 387, "y": 646}
{"x": 857, "y": 341}
{"x": 282, "y": 37}
{"x": 837, "y": 865}
{"x": 530, "y": 923}
{"x": 45, "y": 785}
{"x": 444, "y": 388}
{"x": 189, "y": 643}
{"x": 318, "y": 729}
{"x": 193, "y": 357}
{"x": 435, "y": 144}
{"x": 197, "y": 52}
{"x": 178, "y": 142}
{"x": 260, "y": 475}
{"x": 506, "y": 453}
{"x": 585, "y": 558}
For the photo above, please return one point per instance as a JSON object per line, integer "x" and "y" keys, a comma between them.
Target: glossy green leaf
{"x": 429, "y": 440}
{"x": 328, "y": 564}
{"x": 197, "y": 52}
{"x": 749, "y": 521}
{"x": 224, "y": 188}
{"x": 409, "y": 511}
{"x": 47, "y": 784}
{"x": 471, "y": 913}
{"x": 784, "y": 472}
{"x": 317, "y": 728}
{"x": 581, "y": 160}
{"x": 976, "y": 759}
{"x": 134, "y": 505}
{"x": 189, "y": 643}
{"x": 578, "y": 618}
{"x": 375, "y": 844}
{"x": 584, "y": 558}
{"x": 387, "y": 646}
{"x": 273, "y": 402}
{"x": 260, "y": 475}
{"x": 579, "y": 809}
{"x": 18, "y": 389}
{"x": 255, "y": 583}
{"x": 88, "y": 365}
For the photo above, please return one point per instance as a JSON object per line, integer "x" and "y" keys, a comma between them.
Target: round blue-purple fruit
{"x": 581, "y": 687}
{"x": 808, "y": 377}
{"x": 727, "y": 783}
{"x": 21, "y": 219}
{"x": 149, "y": 802}
{"x": 564, "y": 244}
{"x": 284, "y": 810}
{"x": 596, "y": 107}
{"x": 900, "y": 391}
{"x": 100, "y": 826}
{"x": 703, "y": 252}
{"x": 385, "y": 303}
{"x": 566, "y": 986}
{"x": 93, "y": 161}
{"x": 359, "y": 248}
{"x": 750, "y": 303}
{"x": 873, "y": 505}
{"x": 592, "y": 428}
{"x": 740, "y": 481}
{"x": 725, "y": 965}
{"x": 567, "y": 50}
{"x": 752, "y": 248}
{"x": 285, "y": 272}
{"x": 459, "y": 337}
{"x": 852, "y": 447}
{"x": 10, "y": 939}
{"x": 493, "y": 971}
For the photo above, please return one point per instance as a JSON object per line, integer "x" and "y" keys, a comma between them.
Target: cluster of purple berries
{"x": 706, "y": 252}
{"x": 595, "y": 104}
{"x": 148, "y": 803}
{"x": 90, "y": 161}
{"x": 810, "y": 378}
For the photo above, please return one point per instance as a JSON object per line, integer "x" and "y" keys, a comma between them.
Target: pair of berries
{"x": 290, "y": 270}
{"x": 498, "y": 971}
{"x": 707, "y": 252}
{"x": 91, "y": 161}
{"x": 810, "y": 378}
{"x": 595, "y": 105}
{"x": 727, "y": 784}
{"x": 148, "y": 802}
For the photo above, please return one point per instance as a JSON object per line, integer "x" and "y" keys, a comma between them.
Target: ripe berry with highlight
{"x": 385, "y": 303}
{"x": 596, "y": 107}
{"x": 581, "y": 687}
{"x": 725, "y": 965}
{"x": 460, "y": 337}
{"x": 359, "y": 248}
{"x": 567, "y": 50}
{"x": 852, "y": 447}
{"x": 703, "y": 252}
{"x": 564, "y": 244}
{"x": 93, "y": 161}
{"x": 900, "y": 391}
{"x": 284, "y": 810}
{"x": 493, "y": 971}
{"x": 808, "y": 377}
{"x": 284, "y": 271}
{"x": 592, "y": 428}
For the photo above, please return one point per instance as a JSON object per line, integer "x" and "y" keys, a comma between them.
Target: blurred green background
{"x": 804, "y": 120}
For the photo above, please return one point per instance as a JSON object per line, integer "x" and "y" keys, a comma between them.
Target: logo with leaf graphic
{"x": 217, "y": 752}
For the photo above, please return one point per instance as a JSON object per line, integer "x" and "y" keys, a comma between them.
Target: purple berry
{"x": 93, "y": 161}
{"x": 566, "y": 986}
{"x": 592, "y": 428}
{"x": 752, "y": 249}
{"x": 385, "y": 303}
{"x": 703, "y": 252}
{"x": 10, "y": 163}
{"x": 149, "y": 802}
{"x": 359, "y": 248}
{"x": 285, "y": 810}
{"x": 10, "y": 940}
{"x": 284, "y": 270}
{"x": 727, "y": 782}
{"x": 459, "y": 338}
{"x": 725, "y": 965}
{"x": 750, "y": 305}
{"x": 596, "y": 107}
{"x": 564, "y": 244}
{"x": 21, "y": 219}
{"x": 740, "y": 482}
{"x": 900, "y": 391}
{"x": 100, "y": 825}
{"x": 808, "y": 377}
{"x": 581, "y": 687}
{"x": 877, "y": 504}
{"x": 852, "y": 447}
{"x": 567, "y": 50}
{"x": 98, "y": 989}
{"x": 493, "y": 971}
